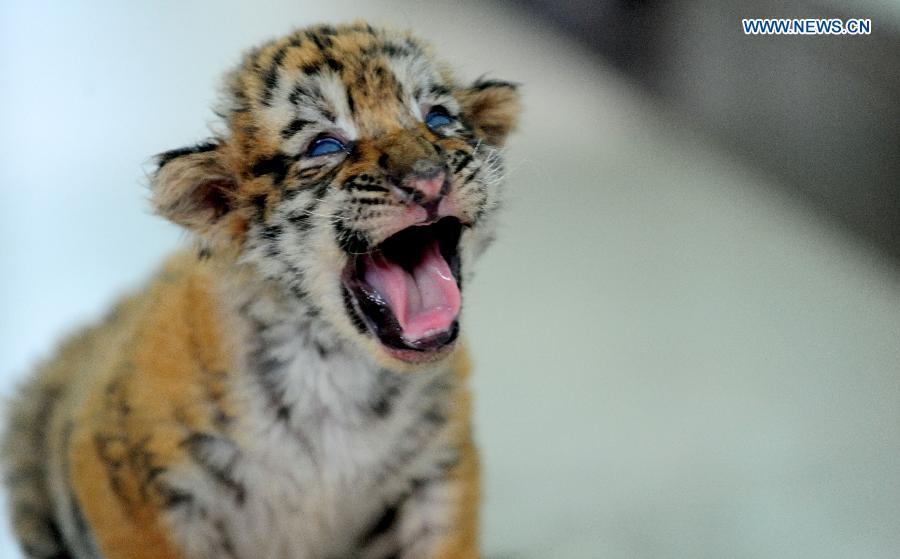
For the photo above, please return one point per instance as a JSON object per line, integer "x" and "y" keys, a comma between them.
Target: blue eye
{"x": 324, "y": 146}
{"x": 437, "y": 118}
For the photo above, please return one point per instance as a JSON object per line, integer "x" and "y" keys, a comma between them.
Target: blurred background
{"x": 687, "y": 338}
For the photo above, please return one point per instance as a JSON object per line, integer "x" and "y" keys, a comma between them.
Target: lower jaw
{"x": 431, "y": 349}
{"x": 413, "y": 356}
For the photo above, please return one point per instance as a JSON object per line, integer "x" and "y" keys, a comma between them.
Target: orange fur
{"x": 141, "y": 403}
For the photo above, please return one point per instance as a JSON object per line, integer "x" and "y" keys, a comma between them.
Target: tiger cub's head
{"x": 355, "y": 172}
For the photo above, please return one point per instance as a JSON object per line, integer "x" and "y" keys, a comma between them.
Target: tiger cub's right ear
{"x": 493, "y": 107}
{"x": 194, "y": 188}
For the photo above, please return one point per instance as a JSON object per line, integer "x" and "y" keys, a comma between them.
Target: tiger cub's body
{"x": 294, "y": 390}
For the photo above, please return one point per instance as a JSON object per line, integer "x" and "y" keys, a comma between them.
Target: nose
{"x": 414, "y": 166}
{"x": 426, "y": 185}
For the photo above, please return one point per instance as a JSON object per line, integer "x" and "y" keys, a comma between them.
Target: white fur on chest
{"x": 325, "y": 442}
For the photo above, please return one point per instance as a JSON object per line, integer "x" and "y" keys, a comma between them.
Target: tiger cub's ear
{"x": 493, "y": 108}
{"x": 194, "y": 188}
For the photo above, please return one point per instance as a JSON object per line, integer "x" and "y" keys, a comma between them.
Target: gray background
{"x": 675, "y": 356}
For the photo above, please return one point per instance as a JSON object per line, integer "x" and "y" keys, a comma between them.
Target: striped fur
{"x": 235, "y": 408}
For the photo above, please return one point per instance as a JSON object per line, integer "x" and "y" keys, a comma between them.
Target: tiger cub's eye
{"x": 437, "y": 117}
{"x": 325, "y": 145}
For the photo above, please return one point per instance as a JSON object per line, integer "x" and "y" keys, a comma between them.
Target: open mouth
{"x": 406, "y": 291}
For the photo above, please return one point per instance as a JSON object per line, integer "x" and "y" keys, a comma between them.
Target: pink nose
{"x": 429, "y": 188}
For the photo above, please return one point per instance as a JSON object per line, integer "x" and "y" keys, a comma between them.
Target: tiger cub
{"x": 294, "y": 388}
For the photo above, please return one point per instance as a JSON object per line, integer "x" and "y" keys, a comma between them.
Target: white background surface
{"x": 673, "y": 358}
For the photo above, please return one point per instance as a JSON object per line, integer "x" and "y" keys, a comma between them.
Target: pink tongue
{"x": 425, "y": 301}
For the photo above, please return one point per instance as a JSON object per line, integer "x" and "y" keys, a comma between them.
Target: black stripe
{"x": 471, "y": 176}
{"x": 434, "y": 416}
{"x": 56, "y": 535}
{"x": 300, "y": 221}
{"x": 326, "y": 29}
{"x": 276, "y": 165}
{"x": 272, "y": 232}
{"x": 173, "y": 497}
{"x": 382, "y": 526}
{"x": 200, "y": 446}
{"x": 296, "y": 40}
{"x": 335, "y": 65}
{"x": 311, "y": 68}
{"x": 298, "y": 92}
{"x": 113, "y": 463}
{"x": 480, "y": 209}
{"x": 168, "y": 156}
{"x": 294, "y": 127}
{"x": 259, "y": 202}
{"x": 464, "y": 160}
{"x": 395, "y": 50}
{"x": 389, "y": 387}
{"x": 225, "y": 542}
{"x": 322, "y": 42}
{"x": 350, "y": 102}
{"x": 370, "y": 201}
{"x": 366, "y": 187}
{"x": 267, "y": 369}
{"x": 481, "y": 85}
{"x": 271, "y": 76}
{"x": 363, "y": 27}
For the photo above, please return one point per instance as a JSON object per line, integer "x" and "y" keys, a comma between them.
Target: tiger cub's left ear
{"x": 493, "y": 108}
